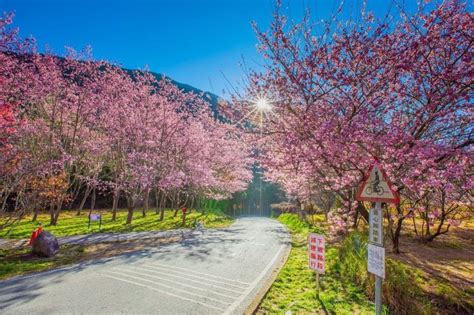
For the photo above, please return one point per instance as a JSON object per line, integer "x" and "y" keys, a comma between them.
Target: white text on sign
{"x": 316, "y": 245}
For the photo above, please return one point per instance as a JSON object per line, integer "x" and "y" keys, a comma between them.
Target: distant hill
{"x": 212, "y": 98}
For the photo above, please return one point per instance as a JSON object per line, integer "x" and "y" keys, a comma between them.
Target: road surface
{"x": 211, "y": 272}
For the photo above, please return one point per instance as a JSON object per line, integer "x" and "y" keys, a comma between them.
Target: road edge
{"x": 253, "y": 306}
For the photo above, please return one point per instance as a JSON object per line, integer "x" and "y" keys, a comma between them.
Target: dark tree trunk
{"x": 129, "y": 215}
{"x": 175, "y": 205}
{"x": 362, "y": 211}
{"x": 55, "y": 210}
{"x": 92, "y": 202}
{"x": 162, "y": 207}
{"x": 157, "y": 201}
{"x": 115, "y": 204}
{"x": 35, "y": 215}
{"x": 83, "y": 202}
{"x": 35, "y": 210}
{"x": 51, "y": 214}
{"x": 395, "y": 236}
{"x": 131, "y": 208}
{"x": 184, "y": 218}
{"x": 147, "y": 203}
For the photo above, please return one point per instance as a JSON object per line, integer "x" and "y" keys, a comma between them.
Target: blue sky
{"x": 197, "y": 42}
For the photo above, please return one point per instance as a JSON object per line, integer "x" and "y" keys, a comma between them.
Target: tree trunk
{"x": 115, "y": 204}
{"x": 129, "y": 215}
{"x": 175, "y": 204}
{"x": 131, "y": 207}
{"x": 356, "y": 219}
{"x": 184, "y": 218}
{"x": 147, "y": 203}
{"x": 157, "y": 201}
{"x": 92, "y": 202}
{"x": 362, "y": 211}
{"x": 162, "y": 207}
{"x": 396, "y": 237}
{"x": 35, "y": 215}
{"x": 59, "y": 207}
{"x": 131, "y": 202}
{"x": 83, "y": 202}
{"x": 191, "y": 205}
{"x": 51, "y": 214}
{"x": 35, "y": 211}
{"x": 5, "y": 196}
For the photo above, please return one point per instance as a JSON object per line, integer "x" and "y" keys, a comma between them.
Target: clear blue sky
{"x": 197, "y": 42}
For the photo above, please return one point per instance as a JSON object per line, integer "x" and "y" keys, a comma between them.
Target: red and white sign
{"x": 377, "y": 187}
{"x": 316, "y": 245}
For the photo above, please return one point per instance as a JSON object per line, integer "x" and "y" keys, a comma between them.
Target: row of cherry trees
{"x": 396, "y": 90}
{"x": 73, "y": 127}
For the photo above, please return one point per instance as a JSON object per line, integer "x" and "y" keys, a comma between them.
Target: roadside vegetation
{"x": 73, "y": 224}
{"x": 347, "y": 287}
{"x": 295, "y": 287}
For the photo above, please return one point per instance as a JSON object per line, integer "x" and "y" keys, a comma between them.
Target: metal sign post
{"x": 317, "y": 259}
{"x": 376, "y": 187}
{"x": 378, "y": 235}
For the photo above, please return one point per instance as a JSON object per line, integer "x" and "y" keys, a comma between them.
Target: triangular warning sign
{"x": 377, "y": 187}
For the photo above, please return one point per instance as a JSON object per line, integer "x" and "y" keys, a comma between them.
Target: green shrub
{"x": 298, "y": 226}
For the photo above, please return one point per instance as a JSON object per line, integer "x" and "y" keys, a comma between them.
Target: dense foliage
{"x": 73, "y": 127}
{"x": 398, "y": 91}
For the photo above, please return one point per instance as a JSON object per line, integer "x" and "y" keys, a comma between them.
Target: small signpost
{"x": 95, "y": 217}
{"x": 317, "y": 251}
{"x": 376, "y": 187}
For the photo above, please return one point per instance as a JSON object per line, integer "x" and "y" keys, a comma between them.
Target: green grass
{"x": 20, "y": 261}
{"x": 295, "y": 287}
{"x": 70, "y": 224}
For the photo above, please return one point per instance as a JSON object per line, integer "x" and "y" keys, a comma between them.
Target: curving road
{"x": 211, "y": 272}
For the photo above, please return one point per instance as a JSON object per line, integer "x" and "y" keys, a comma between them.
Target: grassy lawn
{"x": 295, "y": 287}
{"x": 71, "y": 224}
{"x": 21, "y": 261}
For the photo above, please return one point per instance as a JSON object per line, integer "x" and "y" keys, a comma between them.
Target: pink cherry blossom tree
{"x": 400, "y": 93}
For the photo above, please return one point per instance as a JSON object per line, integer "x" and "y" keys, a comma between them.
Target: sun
{"x": 263, "y": 105}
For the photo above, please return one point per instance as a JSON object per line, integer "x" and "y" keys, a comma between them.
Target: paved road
{"x": 213, "y": 272}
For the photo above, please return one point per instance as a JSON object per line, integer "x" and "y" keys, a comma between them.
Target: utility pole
{"x": 378, "y": 280}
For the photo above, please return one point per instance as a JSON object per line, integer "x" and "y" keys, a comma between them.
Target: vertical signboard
{"x": 316, "y": 244}
{"x": 376, "y": 260}
{"x": 376, "y": 228}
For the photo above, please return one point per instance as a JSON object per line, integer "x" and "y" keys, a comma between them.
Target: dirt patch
{"x": 447, "y": 265}
{"x": 450, "y": 256}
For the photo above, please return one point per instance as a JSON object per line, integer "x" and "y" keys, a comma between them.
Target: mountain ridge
{"x": 211, "y": 98}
